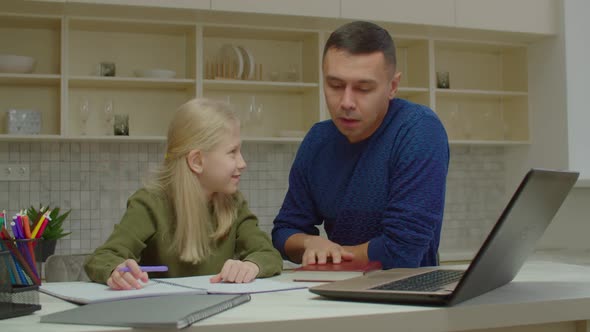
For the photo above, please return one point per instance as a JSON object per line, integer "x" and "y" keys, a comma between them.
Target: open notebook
{"x": 90, "y": 292}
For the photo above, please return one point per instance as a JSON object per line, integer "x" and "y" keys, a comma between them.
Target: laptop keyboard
{"x": 425, "y": 282}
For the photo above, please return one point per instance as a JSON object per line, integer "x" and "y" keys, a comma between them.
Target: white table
{"x": 544, "y": 296}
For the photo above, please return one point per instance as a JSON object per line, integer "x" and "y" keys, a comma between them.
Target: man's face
{"x": 357, "y": 90}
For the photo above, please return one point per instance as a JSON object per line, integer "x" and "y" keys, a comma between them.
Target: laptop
{"x": 512, "y": 239}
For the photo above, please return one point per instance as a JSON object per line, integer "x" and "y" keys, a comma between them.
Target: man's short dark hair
{"x": 360, "y": 37}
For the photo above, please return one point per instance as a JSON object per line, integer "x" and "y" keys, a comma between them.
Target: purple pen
{"x": 157, "y": 268}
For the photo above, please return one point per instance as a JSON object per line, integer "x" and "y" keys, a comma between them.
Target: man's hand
{"x": 311, "y": 249}
{"x": 319, "y": 250}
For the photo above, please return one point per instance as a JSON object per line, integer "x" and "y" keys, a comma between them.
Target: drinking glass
{"x": 108, "y": 115}
{"x": 84, "y": 116}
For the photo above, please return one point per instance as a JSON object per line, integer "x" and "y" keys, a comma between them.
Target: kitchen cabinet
{"x": 279, "y": 103}
{"x": 429, "y": 12}
{"x": 413, "y": 64}
{"x": 499, "y": 15}
{"x": 486, "y": 99}
{"x": 529, "y": 16}
{"x": 186, "y": 4}
{"x": 41, "y": 89}
{"x": 324, "y": 8}
{"x": 281, "y": 97}
{"x": 271, "y": 76}
{"x": 132, "y": 47}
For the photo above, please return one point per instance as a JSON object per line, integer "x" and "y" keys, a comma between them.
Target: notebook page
{"x": 82, "y": 292}
{"x": 256, "y": 286}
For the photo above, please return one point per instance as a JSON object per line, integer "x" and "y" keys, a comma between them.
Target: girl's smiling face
{"x": 222, "y": 166}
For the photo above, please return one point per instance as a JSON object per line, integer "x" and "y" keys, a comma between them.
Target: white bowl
{"x": 155, "y": 73}
{"x": 16, "y": 64}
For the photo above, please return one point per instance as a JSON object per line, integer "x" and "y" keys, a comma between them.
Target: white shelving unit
{"x": 487, "y": 102}
{"x": 40, "y": 90}
{"x": 283, "y": 94}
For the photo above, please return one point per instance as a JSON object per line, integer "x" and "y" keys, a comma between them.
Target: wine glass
{"x": 467, "y": 122}
{"x": 255, "y": 111}
{"x": 454, "y": 123}
{"x": 108, "y": 113}
{"x": 251, "y": 116}
{"x": 84, "y": 116}
{"x": 258, "y": 114}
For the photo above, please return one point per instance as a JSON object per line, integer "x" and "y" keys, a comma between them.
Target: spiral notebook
{"x": 166, "y": 311}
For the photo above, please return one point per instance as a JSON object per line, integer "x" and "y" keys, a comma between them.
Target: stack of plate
{"x": 241, "y": 58}
{"x": 249, "y": 65}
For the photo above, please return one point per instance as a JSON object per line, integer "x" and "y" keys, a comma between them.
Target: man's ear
{"x": 194, "y": 159}
{"x": 395, "y": 84}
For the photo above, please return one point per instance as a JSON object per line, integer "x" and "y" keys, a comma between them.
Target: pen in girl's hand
{"x": 158, "y": 268}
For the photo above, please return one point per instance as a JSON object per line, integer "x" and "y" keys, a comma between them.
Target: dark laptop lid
{"x": 512, "y": 239}
{"x": 514, "y": 236}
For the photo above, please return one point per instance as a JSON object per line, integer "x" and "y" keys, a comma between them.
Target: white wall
{"x": 571, "y": 227}
{"x": 577, "y": 55}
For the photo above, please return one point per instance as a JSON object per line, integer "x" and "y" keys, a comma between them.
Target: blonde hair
{"x": 198, "y": 124}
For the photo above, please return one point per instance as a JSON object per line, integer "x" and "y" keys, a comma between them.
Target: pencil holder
{"x": 23, "y": 267}
{"x": 15, "y": 300}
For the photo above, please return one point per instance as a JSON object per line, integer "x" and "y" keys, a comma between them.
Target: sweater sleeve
{"x": 127, "y": 240}
{"x": 253, "y": 245}
{"x": 298, "y": 213}
{"x": 414, "y": 212}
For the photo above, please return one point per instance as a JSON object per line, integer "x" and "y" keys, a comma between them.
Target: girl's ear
{"x": 194, "y": 159}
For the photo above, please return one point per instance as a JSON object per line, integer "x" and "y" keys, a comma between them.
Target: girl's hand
{"x": 127, "y": 280}
{"x": 236, "y": 271}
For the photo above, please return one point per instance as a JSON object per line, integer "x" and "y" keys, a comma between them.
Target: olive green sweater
{"x": 145, "y": 234}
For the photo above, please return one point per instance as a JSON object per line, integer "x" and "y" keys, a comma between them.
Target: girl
{"x": 191, "y": 216}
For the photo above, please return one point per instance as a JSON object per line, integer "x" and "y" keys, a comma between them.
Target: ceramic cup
{"x": 442, "y": 80}
{"x": 121, "y": 125}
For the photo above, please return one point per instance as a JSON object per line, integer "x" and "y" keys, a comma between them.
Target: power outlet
{"x": 14, "y": 172}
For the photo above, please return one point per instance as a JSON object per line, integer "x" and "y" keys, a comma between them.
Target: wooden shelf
{"x": 129, "y": 82}
{"x": 480, "y": 93}
{"x": 229, "y": 31}
{"x": 12, "y": 137}
{"x": 245, "y": 85}
{"x": 113, "y": 138}
{"x": 30, "y": 79}
{"x": 407, "y": 91}
{"x": 155, "y": 139}
{"x": 489, "y": 143}
{"x": 272, "y": 139}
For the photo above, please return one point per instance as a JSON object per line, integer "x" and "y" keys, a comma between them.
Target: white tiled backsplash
{"x": 95, "y": 180}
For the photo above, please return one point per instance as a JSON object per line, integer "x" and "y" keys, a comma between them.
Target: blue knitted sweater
{"x": 388, "y": 189}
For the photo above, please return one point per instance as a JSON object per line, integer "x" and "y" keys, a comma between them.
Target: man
{"x": 374, "y": 174}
